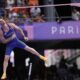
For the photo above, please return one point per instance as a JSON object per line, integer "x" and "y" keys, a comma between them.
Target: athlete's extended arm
{"x": 19, "y": 29}
{"x": 3, "y": 40}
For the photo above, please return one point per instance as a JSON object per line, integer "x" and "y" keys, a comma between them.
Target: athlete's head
{"x": 2, "y": 21}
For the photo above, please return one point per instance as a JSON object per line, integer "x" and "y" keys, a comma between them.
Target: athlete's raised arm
{"x": 19, "y": 29}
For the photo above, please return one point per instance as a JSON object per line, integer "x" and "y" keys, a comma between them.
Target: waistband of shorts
{"x": 15, "y": 39}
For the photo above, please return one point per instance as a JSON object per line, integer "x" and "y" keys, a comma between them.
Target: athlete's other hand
{"x": 26, "y": 38}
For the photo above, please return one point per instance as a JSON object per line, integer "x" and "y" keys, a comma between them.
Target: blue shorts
{"x": 12, "y": 44}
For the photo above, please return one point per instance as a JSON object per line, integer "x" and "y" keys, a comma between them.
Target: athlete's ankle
{"x": 3, "y": 76}
{"x": 42, "y": 57}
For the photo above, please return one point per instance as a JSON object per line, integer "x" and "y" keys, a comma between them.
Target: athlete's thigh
{"x": 8, "y": 50}
{"x": 20, "y": 44}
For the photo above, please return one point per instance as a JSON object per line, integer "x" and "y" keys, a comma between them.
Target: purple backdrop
{"x": 53, "y": 30}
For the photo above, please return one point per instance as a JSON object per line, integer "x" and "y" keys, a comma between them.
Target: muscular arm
{"x": 3, "y": 40}
{"x": 17, "y": 28}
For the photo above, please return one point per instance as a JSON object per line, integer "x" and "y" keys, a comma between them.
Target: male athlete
{"x": 8, "y": 37}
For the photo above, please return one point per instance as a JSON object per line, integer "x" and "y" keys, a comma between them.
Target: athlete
{"x": 8, "y": 37}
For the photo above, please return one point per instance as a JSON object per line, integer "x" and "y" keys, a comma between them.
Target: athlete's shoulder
{"x": 11, "y": 24}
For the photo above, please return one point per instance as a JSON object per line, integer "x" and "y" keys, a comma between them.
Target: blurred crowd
{"x": 16, "y": 11}
{"x": 63, "y": 64}
{"x": 64, "y": 71}
{"x": 61, "y": 68}
{"x": 20, "y": 13}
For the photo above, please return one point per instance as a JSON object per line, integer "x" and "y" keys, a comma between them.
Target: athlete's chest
{"x": 7, "y": 32}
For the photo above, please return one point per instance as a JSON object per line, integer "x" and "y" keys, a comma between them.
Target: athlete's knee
{"x": 29, "y": 48}
{"x": 6, "y": 58}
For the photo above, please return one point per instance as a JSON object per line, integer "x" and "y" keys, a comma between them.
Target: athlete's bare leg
{"x": 33, "y": 51}
{"x": 5, "y": 65}
{"x": 27, "y": 48}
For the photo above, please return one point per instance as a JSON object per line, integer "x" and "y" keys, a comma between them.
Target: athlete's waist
{"x": 13, "y": 40}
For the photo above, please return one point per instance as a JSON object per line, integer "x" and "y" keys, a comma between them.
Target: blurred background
{"x": 53, "y": 30}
